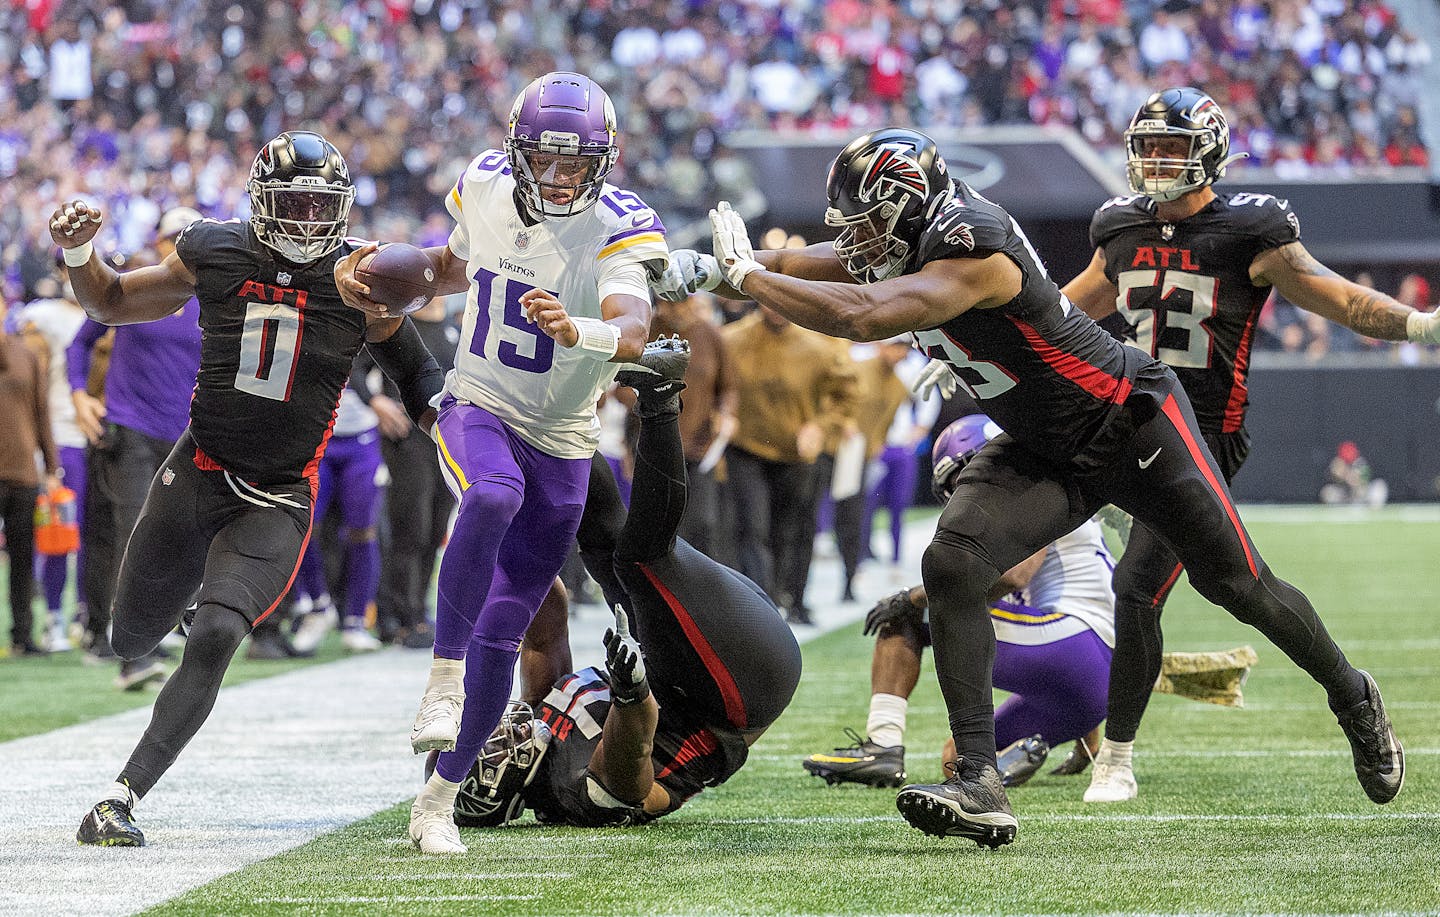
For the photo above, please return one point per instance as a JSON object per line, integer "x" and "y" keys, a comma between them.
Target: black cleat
{"x": 864, "y": 762}
{"x": 110, "y": 824}
{"x": 1379, "y": 759}
{"x": 1021, "y": 760}
{"x": 970, "y": 803}
{"x": 1076, "y": 762}
{"x": 660, "y": 373}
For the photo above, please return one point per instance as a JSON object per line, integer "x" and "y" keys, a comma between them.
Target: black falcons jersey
{"x": 1046, "y": 373}
{"x": 276, "y": 352}
{"x": 687, "y": 756}
{"x": 1185, "y": 289}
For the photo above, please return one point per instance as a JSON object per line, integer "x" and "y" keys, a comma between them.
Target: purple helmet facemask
{"x": 955, "y": 447}
{"x": 561, "y": 143}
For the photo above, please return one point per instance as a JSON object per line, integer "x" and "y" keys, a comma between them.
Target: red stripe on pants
{"x": 729, "y": 691}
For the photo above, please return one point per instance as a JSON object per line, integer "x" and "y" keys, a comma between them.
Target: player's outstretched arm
{"x": 109, "y": 297}
{"x": 940, "y": 291}
{"x": 1091, "y": 290}
{"x": 618, "y": 337}
{"x": 403, "y": 356}
{"x": 622, "y": 761}
{"x": 1312, "y": 286}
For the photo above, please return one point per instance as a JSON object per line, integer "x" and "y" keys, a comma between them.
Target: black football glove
{"x": 624, "y": 662}
{"x": 891, "y": 610}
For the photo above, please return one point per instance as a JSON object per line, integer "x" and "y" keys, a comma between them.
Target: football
{"x": 398, "y": 275}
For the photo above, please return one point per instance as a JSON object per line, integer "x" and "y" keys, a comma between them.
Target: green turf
{"x": 1241, "y": 811}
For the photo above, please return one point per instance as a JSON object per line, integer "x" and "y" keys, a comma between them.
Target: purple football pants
{"x": 347, "y": 477}
{"x": 1058, "y": 690}
{"x": 895, "y": 489}
{"x": 519, "y": 510}
{"x": 55, "y": 569}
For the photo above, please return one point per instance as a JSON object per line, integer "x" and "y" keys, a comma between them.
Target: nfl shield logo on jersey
{"x": 522, "y": 240}
{"x": 282, "y": 278}
{"x": 167, "y": 477}
{"x": 1167, "y": 232}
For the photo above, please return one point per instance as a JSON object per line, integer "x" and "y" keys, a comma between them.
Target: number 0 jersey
{"x": 275, "y": 354}
{"x": 545, "y": 393}
{"x": 1046, "y": 373}
{"x": 1185, "y": 289}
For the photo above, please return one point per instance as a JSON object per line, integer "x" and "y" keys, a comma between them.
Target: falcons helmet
{"x": 1197, "y": 158}
{"x": 300, "y": 196}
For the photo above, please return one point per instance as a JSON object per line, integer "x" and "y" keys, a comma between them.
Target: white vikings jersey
{"x": 1071, "y": 590}
{"x": 545, "y": 393}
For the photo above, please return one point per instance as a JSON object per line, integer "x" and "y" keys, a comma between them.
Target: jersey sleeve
{"x": 633, "y": 248}
{"x": 963, "y": 232}
{"x": 459, "y": 241}
{"x": 195, "y": 241}
{"x": 1271, "y": 221}
{"x": 1108, "y": 219}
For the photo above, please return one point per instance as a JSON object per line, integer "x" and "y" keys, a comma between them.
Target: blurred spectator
{"x": 1349, "y": 479}
{"x": 54, "y": 320}
{"x": 25, "y": 416}
{"x": 411, "y": 92}
{"x": 783, "y": 376}
{"x": 708, "y": 415}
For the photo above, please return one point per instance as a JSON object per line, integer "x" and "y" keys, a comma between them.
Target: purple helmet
{"x": 955, "y": 447}
{"x": 561, "y": 144}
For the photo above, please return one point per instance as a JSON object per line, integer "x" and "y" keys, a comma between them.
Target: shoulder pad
{"x": 1264, "y": 216}
{"x": 959, "y": 231}
{"x": 485, "y": 167}
{"x": 622, "y": 211}
{"x": 1114, "y": 214}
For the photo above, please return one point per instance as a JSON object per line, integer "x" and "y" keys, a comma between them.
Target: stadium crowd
{"x": 141, "y": 97}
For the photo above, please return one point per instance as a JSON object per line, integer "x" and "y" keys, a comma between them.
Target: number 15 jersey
{"x": 1185, "y": 290}
{"x": 544, "y": 392}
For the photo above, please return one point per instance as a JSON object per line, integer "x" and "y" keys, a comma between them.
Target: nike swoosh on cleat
{"x": 1146, "y": 463}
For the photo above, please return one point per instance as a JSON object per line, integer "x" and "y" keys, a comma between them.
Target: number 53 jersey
{"x": 544, "y": 392}
{"x": 1185, "y": 290}
{"x": 275, "y": 354}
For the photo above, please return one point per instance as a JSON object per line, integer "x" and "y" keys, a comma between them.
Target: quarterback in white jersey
{"x": 505, "y": 363}
{"x": 555, "y": 263}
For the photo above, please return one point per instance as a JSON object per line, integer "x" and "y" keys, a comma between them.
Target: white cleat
{"x": 435, "y": 832}
{"x": 58, "y": 639}
{"x": 437, "y": 725}
{"x": 359, "y": 640}
{"x": 1111, "y": 783}
{"x": 312, "y": 630}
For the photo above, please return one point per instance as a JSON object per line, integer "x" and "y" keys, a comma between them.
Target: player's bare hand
{"x": 353, "y": 292}
{"x": 393, "y": 421}
{"x": 89, "y": 411}
{"x": 809, "y": 440}
{"x": 74, "y": 223}
{"x": 545, "y": 310}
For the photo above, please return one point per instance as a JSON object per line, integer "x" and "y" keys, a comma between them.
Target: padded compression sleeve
{"x": 409, "y": 364}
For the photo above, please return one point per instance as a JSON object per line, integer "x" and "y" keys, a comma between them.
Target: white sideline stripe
{"x": 279, "y": 762}
{"x": 1043, "y": 819}
{"x": 390, "y": 899}
{"x": 477, "y": 876}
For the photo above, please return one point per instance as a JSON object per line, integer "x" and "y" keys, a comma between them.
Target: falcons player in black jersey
{"x": 1190, "y": 268}
{"x": 228, "y": 516}
{"x": 1088, "y": 421}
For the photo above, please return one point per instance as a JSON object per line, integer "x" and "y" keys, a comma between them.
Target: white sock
{"x": 446, "y": 675}
{"x": 121, "y": 792}
{"x": 886, "y": 725}
{"x": 1116, "y": 753}
{"x": 438, "y": 795}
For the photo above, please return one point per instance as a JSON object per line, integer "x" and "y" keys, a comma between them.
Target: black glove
{"x": 624, "y": 662}
{"x": 891, "y": 610}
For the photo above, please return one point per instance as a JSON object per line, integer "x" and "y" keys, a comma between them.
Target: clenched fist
{"x": 74, "y": 223}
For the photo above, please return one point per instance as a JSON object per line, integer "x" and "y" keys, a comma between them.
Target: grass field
{"x": 1240, "y": 811}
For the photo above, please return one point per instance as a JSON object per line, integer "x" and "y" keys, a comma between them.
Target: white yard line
{"x": 280, "y": 762}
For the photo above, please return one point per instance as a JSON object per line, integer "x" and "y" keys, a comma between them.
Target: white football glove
{"x": 935, "y": 376}
{"x": 688, "y": 272}
{"x": 731, "y": 244}
{"x": 1423, "y": 327}
{"x": 625, "y": 662}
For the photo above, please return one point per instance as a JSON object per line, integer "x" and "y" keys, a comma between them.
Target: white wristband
{"x": 599, "y": 339}
{"x": 77, "y": 256}
{"x": 1423, "y": 327}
